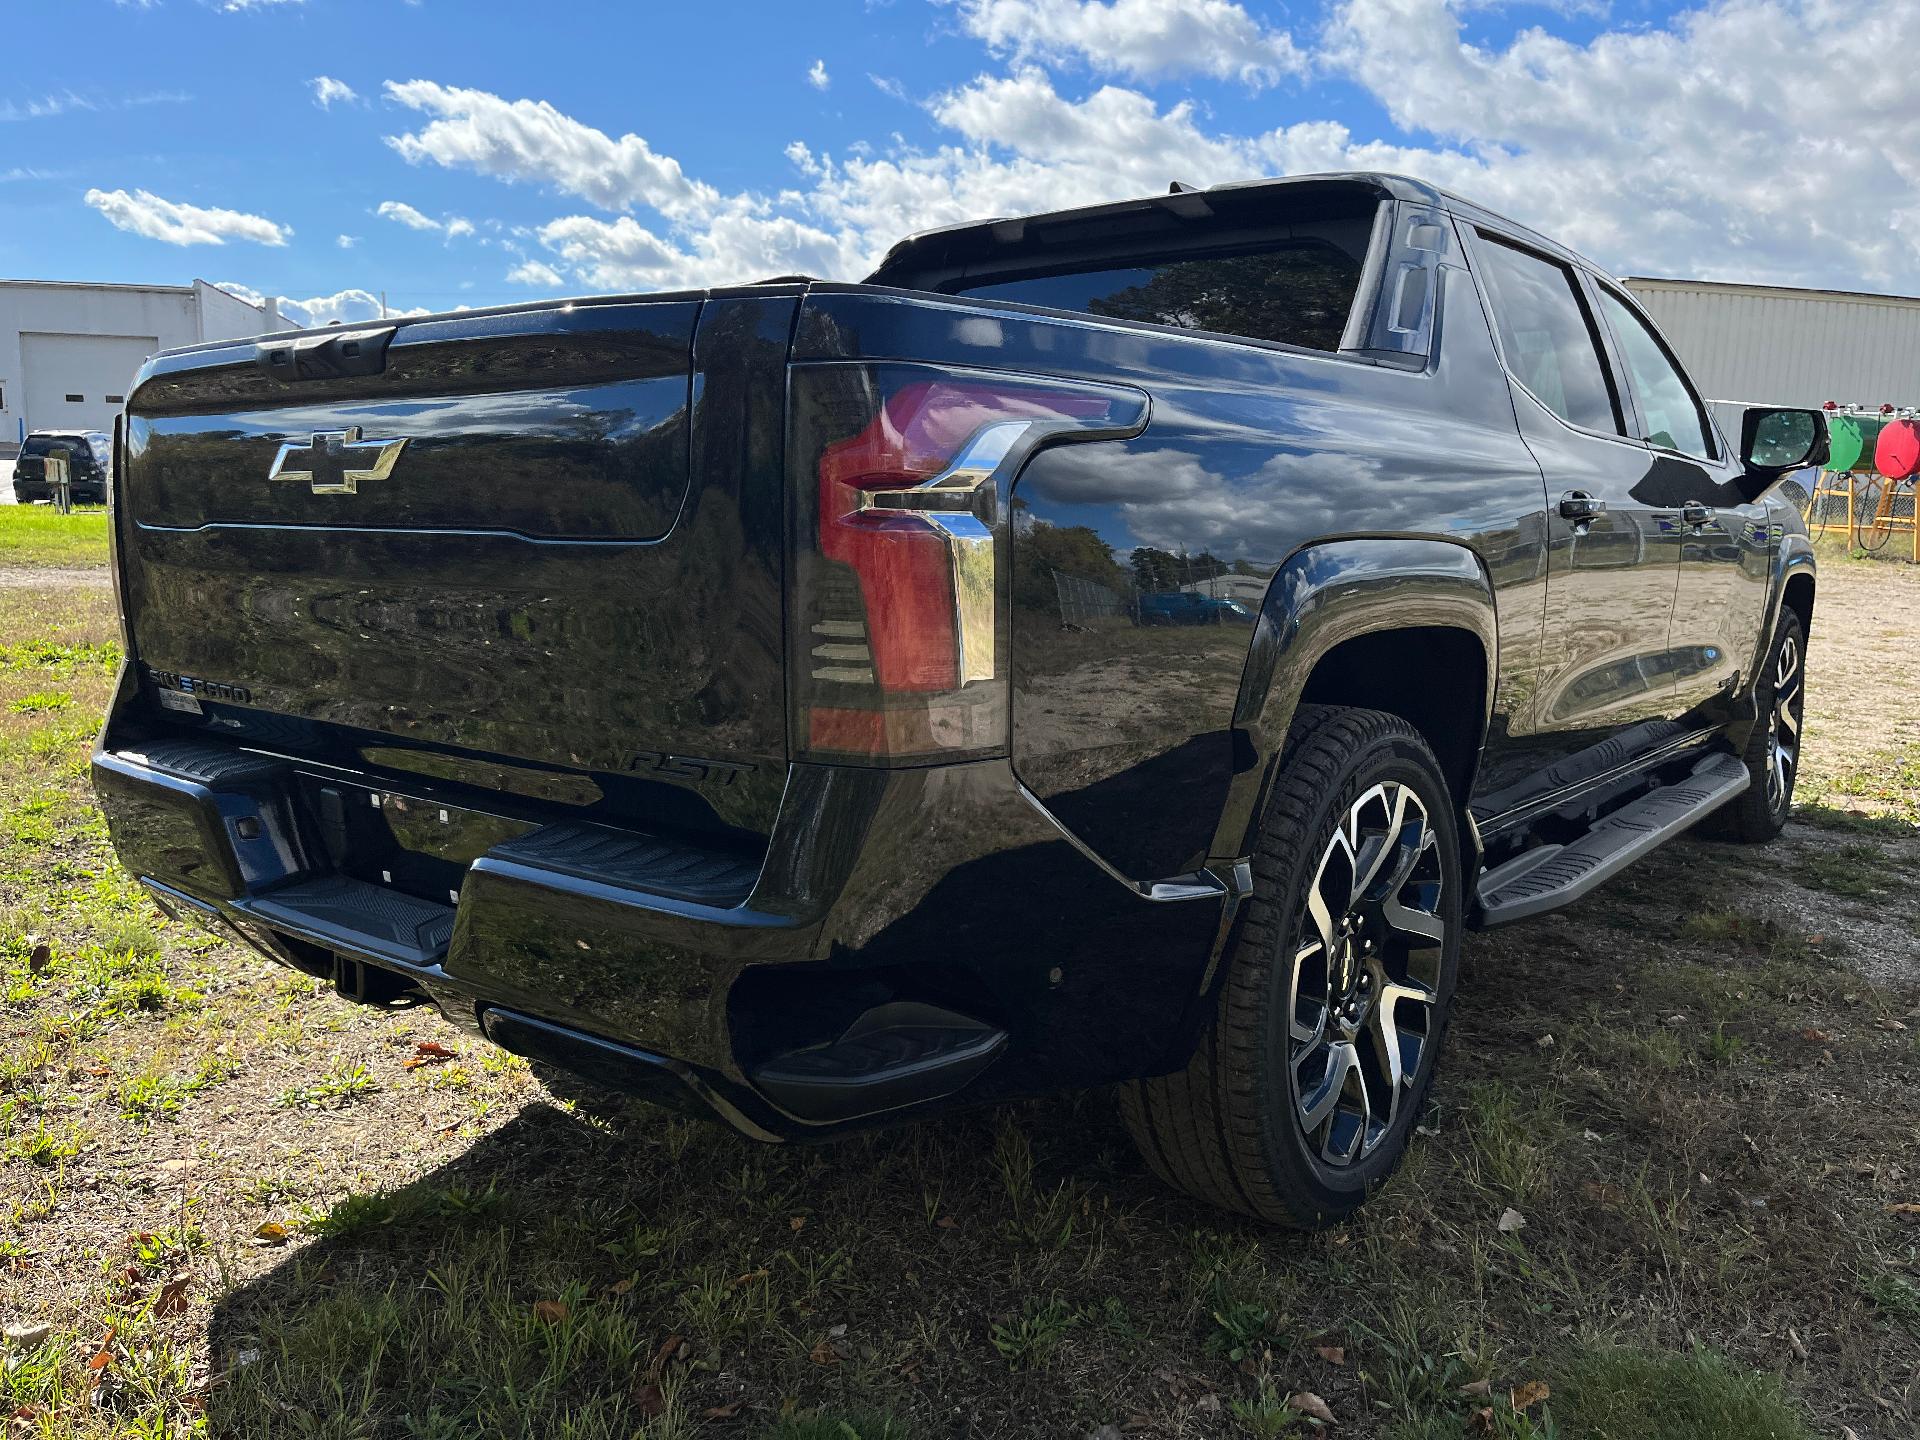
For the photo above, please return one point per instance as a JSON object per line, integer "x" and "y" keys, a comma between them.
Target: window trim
{"x": 1601, "y": 338}
{"x": 1709, "y": 427}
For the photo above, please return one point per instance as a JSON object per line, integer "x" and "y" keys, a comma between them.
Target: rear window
{"x": 1298, "y": 291}
{"x": 71, "y": 446}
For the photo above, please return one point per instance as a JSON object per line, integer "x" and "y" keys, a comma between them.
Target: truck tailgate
{"x": 509, "y": 549}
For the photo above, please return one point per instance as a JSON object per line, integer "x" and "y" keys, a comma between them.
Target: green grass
{"x": 37, "y": 535}
{"x": 1612, "y": 1393}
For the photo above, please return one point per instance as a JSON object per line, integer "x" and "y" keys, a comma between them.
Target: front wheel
{"x": 1773, "y": 749}
{"x": 1300, "y": 1098}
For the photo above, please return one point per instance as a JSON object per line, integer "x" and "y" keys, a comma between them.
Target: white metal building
{"x": 69, "y": 351}
{"x": 1765, "y": 345}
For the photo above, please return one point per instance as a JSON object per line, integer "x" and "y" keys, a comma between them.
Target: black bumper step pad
{"x": 636, "y": 862}
{"x": 358, "y": 917}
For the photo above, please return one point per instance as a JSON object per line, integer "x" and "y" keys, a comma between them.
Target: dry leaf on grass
{"x": 1332, "y": 1354}
{"x": 172, "y": 1299}
{"x": 272, "y": 1232}
{"x": 1816, "y": 1037}
{"x": 426, "y": 1053}
{"x": 40, "y": 958}
{"x": 550, "y": 1312}
{"x": 723, "y": 1412}
{"x": 674, "y": 1347}
{"x": 825, "y": 1353}
{"x": 1477, "y": 1387}
{"x": 1906, "y": 1210}
{"x": 1312, "y": 1406}
{"x": 1525, "y": 1397}
{"x": 1511, "y": 1221}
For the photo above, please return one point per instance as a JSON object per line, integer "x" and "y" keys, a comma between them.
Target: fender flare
{"x": 1326, "y": 594}
{"x": 1794, "y": 558}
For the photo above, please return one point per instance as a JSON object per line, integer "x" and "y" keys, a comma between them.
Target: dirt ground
{"x": 1668, "y": 1177}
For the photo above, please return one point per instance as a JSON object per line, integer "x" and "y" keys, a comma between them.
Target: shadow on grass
{"x": 1646, "y": 1097}
{"x": 613, "y": 1270}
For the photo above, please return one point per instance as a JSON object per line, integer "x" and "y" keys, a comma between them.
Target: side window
{"x": 1670, "y": 413}
{"x": 1549, "y": 340}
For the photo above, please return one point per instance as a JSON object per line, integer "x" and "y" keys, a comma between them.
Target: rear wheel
{"x": 1773, "y": 749}
{"x": 1300, "y": 1098}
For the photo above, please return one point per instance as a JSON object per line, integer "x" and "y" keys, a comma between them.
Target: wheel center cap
{"x": 1349, "y": 978}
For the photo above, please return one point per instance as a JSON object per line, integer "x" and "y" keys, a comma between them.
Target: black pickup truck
{"x": 1121, "y": 646}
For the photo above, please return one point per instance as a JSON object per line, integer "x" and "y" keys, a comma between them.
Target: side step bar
{"x": 1550, "y": 876}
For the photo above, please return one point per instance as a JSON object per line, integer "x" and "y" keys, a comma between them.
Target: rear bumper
{"x": 682, "y": 974}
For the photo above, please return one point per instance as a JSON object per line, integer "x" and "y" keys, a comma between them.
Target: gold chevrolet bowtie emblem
{"x": 334, "y": 462}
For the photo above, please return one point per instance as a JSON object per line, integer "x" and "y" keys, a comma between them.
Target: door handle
{"x": 1696, "y": 514}
{"x": 1579, "y": 505}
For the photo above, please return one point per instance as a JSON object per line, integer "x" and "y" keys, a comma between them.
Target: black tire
{"x": 1232, "y": 1128}
{"x": 1780, "y": 693}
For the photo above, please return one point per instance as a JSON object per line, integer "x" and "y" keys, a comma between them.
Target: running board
{"x": 1549, "y": 876}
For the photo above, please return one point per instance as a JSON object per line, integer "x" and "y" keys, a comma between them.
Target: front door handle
{"x": 1696, "y": 514}
{"x": 1579, "y": 505}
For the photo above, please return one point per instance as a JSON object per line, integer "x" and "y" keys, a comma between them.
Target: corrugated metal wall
{"x": 1764, "y": 346}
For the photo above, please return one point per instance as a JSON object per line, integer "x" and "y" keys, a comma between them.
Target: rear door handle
{"x": 1695, "y": 513}
{"x": 1579, "y": 505}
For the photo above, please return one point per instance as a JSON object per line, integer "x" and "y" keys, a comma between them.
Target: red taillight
{"x": 897, "y": 651}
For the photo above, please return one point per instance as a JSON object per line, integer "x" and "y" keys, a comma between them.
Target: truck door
{"x": 1606, "y": 691}
{"x": 1726, "y": 541}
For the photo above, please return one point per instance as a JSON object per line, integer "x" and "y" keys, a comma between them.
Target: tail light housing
{"x": 898, "y": 528}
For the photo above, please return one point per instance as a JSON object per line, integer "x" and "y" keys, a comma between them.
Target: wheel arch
{"x": 1408, "y": 626}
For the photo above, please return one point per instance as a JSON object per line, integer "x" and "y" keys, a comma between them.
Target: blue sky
{"x": 469, "y": 152}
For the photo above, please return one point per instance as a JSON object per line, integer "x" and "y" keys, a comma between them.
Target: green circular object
{"x": 1851, "y": 439}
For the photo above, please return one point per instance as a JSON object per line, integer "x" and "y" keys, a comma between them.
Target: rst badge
{"x": 334, "y": 462}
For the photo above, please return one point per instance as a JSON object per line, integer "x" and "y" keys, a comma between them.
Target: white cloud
{"x": 1670, "y": 149}
{"x": 1143, "y": 38}
{"x": 346, "y": 242}
{"x": 533, "y": 272}
{"x": 532, "y": 141}
{"x": 326, "y": 90}
{"x": 144, "y": 213}
{"x": 1653, "y": 149}
{"x": 231, "y": 7}
{"x": 346, "y": 307}
{"x": 44, "y": 107}
{"x": 817, "y": 75}
{"x": 406, "y": 215}
{"x": 453, "y": 227}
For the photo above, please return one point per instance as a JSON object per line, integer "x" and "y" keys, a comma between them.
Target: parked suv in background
{"x": 752, "y": 697}
{"x": 89, "y": 457}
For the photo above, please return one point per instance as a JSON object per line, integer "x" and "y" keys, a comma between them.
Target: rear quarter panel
{"x": 1124, "y": 730}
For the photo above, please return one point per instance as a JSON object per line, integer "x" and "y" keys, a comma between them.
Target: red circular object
{"x": 1897, "y": 453}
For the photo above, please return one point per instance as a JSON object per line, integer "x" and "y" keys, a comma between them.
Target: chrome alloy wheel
{"x": 1783, "y": 748}
{"x": 1366, "y": 975}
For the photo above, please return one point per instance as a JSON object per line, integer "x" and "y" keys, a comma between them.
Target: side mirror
{"x": 1773, "y": 442}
